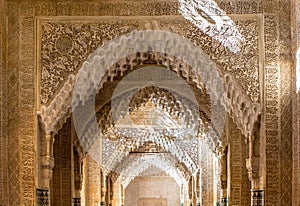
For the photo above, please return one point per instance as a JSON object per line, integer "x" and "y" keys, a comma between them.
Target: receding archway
{"x": 240, "y": 107}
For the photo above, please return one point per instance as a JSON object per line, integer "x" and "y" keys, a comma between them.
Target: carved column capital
{"x": 252, "y": 165}
{"x": 47, "y": 162}
{"x": 46, "y": 177}
{"x": 78, "y": 181}
{"x": 223, "y": 169}
{"x": 47, "y": 165}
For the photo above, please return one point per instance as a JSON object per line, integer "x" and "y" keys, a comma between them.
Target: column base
{"x": 42, "y": 197}
{"x": 76, "y": 202}
{"x": 224, "y": 201}
{"x": 257, "y": 198}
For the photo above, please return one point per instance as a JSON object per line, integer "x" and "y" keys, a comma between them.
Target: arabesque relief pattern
{"x": 278, "y": 103}
{"x": 239, "y": 105}
{"x": 67, "y": 44}
{"x": 286, "y": 109}
{"x": 239, "y": 183}
{"x": 3, "y": 149}
{"x": 295, "y": 22}
{"x": 243, "y": 67}
{"x": 14, "y": 165}
{"x": 272, "y": 111}
{"x": 27, "y": 117}
{"x": 20, "y": 80}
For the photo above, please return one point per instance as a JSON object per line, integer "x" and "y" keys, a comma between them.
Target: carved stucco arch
{"x": 123, "y": 148}
{"x": 105, "y": 118}
{"x": 239, "y": 105}
{"x": 138, "y": 166}
{"x": 162, "y": 99}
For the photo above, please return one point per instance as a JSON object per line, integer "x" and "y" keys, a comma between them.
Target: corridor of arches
{"x": 149, "y": 103}
{"x": 156, "y": 145}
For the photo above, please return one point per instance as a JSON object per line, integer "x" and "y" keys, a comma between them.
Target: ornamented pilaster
{"x": 42, "y": 197}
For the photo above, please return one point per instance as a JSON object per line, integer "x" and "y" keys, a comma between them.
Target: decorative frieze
{"x": 14, "y": 164}
{"x": 66, "y": 44}
{"x": 3, "y": 122}
{"x": 272, "y": 116}
{"x": 286, "y": 110}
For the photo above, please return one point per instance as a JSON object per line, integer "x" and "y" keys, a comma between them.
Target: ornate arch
{"x": 117, "y": 150}
{"x": 161, "y": 99}
{"x": 137, "y": 165}
{"x": 239, "y": 105}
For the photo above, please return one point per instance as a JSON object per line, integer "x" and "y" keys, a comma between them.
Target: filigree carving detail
{"x": 66, "y": 45}
{"x": 58, "y": 62}
{"x": 59, "y": 110}
{"x": 244, "y": 67}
